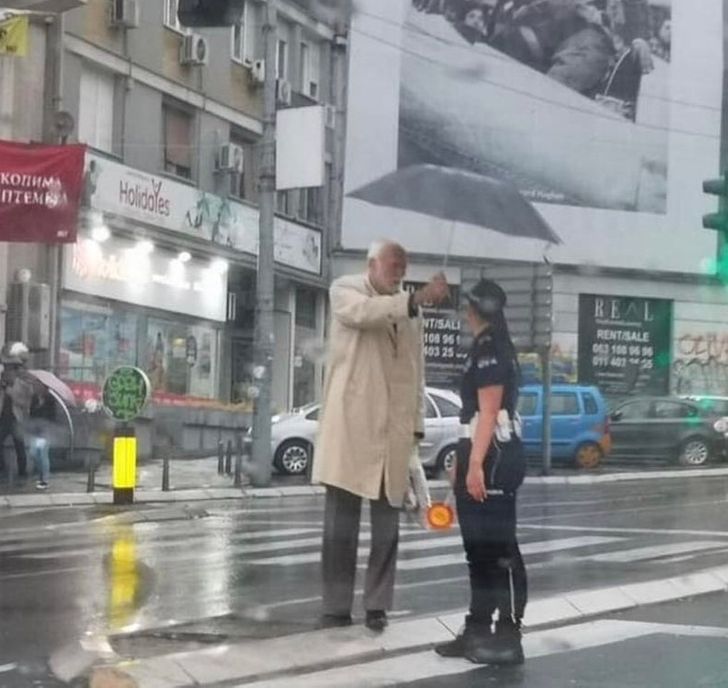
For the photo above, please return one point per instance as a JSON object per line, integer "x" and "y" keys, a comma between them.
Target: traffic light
{"x": 210, "y": 12}
{"x": 719, "y": 220}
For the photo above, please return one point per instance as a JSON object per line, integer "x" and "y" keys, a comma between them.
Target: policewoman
{"x": 490, "y": 469}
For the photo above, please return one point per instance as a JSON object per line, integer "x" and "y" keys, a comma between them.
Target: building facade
{"x": 163, "y": 273}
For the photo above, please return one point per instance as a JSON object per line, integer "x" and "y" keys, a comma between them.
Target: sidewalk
{"x": 197, "y": 480}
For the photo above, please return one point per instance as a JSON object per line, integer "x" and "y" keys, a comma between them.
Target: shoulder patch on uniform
{"x": 487, "y": 362}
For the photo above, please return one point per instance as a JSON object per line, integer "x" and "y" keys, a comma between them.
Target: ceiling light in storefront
{"x": 101, "y": 233}
{"x": 145, "y": 246}
{"x": 184, "y": 257}
{"x": 219, "y": 266}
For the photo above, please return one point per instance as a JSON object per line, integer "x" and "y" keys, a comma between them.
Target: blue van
{"x": 579, "y": 423}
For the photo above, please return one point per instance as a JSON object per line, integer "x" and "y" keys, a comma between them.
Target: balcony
{"x": 52, "y": 6}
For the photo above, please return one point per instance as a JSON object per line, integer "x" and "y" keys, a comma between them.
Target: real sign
{"x": 126, "y": 392}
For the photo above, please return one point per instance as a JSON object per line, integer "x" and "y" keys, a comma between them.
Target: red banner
{"x": 40, "y": 192}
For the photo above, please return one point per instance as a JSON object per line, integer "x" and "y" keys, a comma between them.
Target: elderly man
{"x": 372, "y": 419}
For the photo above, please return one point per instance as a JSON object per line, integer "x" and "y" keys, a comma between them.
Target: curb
{"x": 285, "y": 656}
{"x": 224, "y": 493}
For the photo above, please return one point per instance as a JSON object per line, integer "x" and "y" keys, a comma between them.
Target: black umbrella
{"x": 459, "y": 196}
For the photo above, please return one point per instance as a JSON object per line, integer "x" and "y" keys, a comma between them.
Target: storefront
{"x": 163, "y": 276}
{"x": 131, "y": 302}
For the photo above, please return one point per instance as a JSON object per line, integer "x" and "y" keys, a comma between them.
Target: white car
{"x": 294, "y": 434}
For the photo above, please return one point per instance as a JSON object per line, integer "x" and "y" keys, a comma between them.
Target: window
{"x": 313, "y": 415}
{"x": 310, "y": 69}
{"x": 96, "y": 109}
{"x": 283, "y": 203}
{"x": 171, "y": 20}
{"x": 527, "y": 404}
{"x": 282, "y": 60}
{"x": 447, "y": 408}
{"x": 238, "y": 39}
{"x": 181, "y": 359}
{"x": 306, "y": 308}
{"x": 671, "y": 409}
{"x": 430, "y": 411}
{"x": 243, "y": 185}
{"x": 565, "y": 404}
{"x": 94, "y": 342}
{"x": 637, "y": 410}
{"x": 309, "y": 205}
{"x": 177, "y": 141}
{"x": 590, "y": 404}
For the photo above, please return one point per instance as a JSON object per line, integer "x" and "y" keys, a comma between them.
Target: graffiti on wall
{"x": 700, "y": 363}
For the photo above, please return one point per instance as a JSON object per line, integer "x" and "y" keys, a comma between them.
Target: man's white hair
{"x": 376, "y": 248}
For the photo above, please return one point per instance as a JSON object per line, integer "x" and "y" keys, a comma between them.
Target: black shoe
{"x": 479, "y": 643}
{"x": 335, "y": 621}
{"x": 376, "y": 620}
{"x": 456, "y": 646}
{"x": 508, "y": 641}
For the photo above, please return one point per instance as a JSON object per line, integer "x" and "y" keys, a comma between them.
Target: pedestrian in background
{"x": 372, "y": 418}
{"x": 39, "y": 431}
{"x": 16, "y": 393}
{"x": 490, "y": 469}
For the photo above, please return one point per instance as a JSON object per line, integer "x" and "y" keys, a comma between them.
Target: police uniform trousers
{"x": 342, "y": 516}
{"x": 497, "y": 573}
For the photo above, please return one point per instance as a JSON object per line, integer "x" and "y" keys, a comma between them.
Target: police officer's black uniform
{"x": 497, "y": 572}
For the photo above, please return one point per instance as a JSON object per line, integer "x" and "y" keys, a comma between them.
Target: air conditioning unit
{"x": 257, "y": 71}
{"x": 231, "y": 158}
{"x": 330, "y": 116}
{"x": 29, "y": 315}
{"x": 124, "y": 14}
{"x": 194, "y": 50}
{"x": 284, "y": 92}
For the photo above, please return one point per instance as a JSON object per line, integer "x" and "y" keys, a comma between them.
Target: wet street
{"x": 156, "y": 580}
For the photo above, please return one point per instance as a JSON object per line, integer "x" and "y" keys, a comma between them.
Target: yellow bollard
{"x": 124, "y": 466}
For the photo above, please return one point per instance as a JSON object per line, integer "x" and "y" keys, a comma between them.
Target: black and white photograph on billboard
{"x": 499, "y": 63}
{"x": 571, "y": 129}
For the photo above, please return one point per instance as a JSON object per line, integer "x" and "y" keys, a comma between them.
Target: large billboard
{"x": 605, "y": 115}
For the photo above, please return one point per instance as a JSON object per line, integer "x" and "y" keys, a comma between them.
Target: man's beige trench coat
{"x": 373, "y": 394}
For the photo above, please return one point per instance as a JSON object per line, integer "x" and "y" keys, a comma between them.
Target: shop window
{"x": 96, "y": 109}
{"x": 178, "y": 130}
{"x": 181, "y": 359}
{"x": 306, "y": 308}
{"x": 307, "y": 347}
{"x": 95, "y": 342}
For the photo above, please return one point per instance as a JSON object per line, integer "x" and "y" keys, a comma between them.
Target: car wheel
{"x": 293, "y": 457}
{"x": 588, "y": 456}
{"x": 447, "y": 459}
{"x": 694, "y": 452}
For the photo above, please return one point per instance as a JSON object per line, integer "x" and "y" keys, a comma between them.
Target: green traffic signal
{"x": 717, "y": 187}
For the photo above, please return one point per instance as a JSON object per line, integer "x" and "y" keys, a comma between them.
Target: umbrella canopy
{"x": 56, "y": 385}
{"x": 459, "y": 196}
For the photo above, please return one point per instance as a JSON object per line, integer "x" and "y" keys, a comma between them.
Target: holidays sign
{"x": 40, "y": 192}
{"x": 624, "y": 344}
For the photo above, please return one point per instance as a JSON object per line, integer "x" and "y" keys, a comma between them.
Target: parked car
{"x": 293, "y": 434}
{"x": 579, "y": 423}
{"x": 690, "y": 431}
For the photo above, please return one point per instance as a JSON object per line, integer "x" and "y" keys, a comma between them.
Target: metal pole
{"x": 238, "y": 474}
{"x": 220, "y": 458}
{"x": 546, "y": 431}
{"x": 229, "y": 458}
{"x": 165, "y": 473}
{"x": 91, "y": 477}
{"x": 260, "y": 473}
{"x": 54, "y": 97}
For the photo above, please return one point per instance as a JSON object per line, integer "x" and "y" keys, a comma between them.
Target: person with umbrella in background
{"x": 16, "y": 394}
{"x": 490, "y": 469}
{"x": 39, "y": 431}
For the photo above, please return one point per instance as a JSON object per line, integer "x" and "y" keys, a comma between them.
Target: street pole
{"x": 260, "y": 472}
{"x": 546, "y": 429}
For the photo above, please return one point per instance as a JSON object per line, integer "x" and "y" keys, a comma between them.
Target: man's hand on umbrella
{"x": 435, "y": 292}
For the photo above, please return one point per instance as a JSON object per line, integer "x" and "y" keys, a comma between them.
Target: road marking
{"x": 4, "y": 668}
{"x": 653, "y": 552}
{"x": 448, "y": 559}
{"x": 630, "y": 531}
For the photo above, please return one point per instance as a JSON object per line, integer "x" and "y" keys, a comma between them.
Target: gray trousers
{"x": 341, "y": 539}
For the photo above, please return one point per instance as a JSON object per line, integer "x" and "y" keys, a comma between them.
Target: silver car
{"x": 294, "y": 434}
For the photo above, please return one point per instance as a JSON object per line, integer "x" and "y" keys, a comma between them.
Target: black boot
{"x": 507, "y": 648}
{"x": 478, "y": 643}
{"x": 456, "y": 647}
